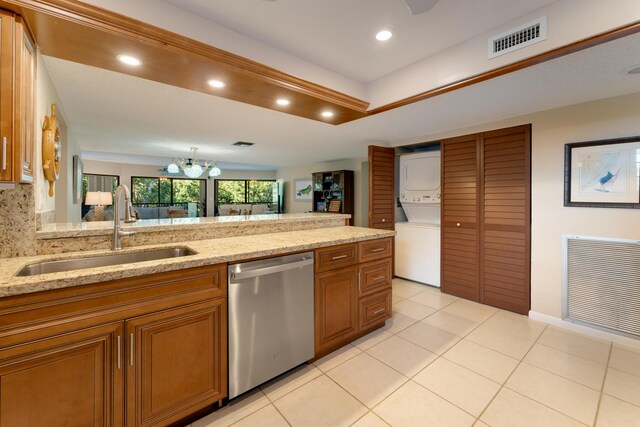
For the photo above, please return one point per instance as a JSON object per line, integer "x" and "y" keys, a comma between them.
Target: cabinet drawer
{"x": 336, "y": 257}
{"x": 374, "y": 276}
{"x": 374, "y": 309}
{"x": 31, "y": 316}
{"x": 374, "y": 249}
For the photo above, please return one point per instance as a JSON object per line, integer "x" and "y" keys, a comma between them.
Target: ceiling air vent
{"x": 243, "y": 144}
{"x": 519, "y": 37}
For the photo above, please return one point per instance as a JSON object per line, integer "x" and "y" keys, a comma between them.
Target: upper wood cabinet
{"x": 17, "y": 100}
{"x": 486, "y": 217}
{"x": 382, "y": 187}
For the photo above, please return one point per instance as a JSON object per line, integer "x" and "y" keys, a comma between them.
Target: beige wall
{"x": 62, "y": 201}
{"x": 551, "y": 130}
{"x": 287, "y": 176}
{"x": 126, "y": 171}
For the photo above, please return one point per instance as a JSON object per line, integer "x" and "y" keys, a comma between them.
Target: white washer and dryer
{"x": 417, "y": 251}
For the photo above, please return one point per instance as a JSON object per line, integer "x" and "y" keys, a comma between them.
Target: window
{"x": 245, "y": 191}
{"x": 162, "y": 192}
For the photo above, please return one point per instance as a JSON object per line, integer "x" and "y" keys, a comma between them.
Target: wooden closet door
{"x": 382, "y": 165}
{"x": 460, "y": 217}
{"x": 506, "y": 218}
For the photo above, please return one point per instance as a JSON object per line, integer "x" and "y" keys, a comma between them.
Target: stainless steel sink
{"x": 70, "y": 264}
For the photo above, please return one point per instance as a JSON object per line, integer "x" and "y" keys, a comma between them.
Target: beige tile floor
{"x": 444, "y": 361}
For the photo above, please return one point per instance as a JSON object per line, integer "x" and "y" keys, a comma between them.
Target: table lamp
{"x": 98, "y": 199}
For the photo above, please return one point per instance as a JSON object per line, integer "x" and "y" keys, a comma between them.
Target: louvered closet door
{"x": 460, "y": 260}
{"x": 381, "y": 187}
{"x": 506, "y": 213}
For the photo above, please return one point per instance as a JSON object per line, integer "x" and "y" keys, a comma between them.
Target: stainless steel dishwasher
{"x": 270, "y": 319}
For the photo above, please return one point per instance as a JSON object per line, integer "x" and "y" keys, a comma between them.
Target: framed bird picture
{"x": 603, "y": 173}
{"x": 303, "y": 190}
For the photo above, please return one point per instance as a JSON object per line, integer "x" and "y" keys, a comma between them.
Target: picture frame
{"x": 602, "y": 174}
{"x": 303, "y": 190}
{"x": 77, "y": 179}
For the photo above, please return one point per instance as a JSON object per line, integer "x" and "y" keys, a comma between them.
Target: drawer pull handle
{"x": 375, "y": 279}
{"x": 4, "y": 153}
{"x": 131, "y": 351}
{"x": 377, "y": 250}
{"x": 118, "y": 339}
{"x": 378, "y": 311}
{"x": 335, "y": 258}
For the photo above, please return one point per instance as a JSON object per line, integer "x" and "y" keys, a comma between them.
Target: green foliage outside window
{"x": 231, "y": 192}
{"x": 260, "y": 192}
{"x": 246, "y": 192}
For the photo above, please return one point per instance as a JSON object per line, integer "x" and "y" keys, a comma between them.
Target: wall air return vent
{"x": 602, "y": 283}
{"x": 519, "y": 37}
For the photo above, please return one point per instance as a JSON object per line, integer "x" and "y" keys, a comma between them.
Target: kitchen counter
{"x": 103, "y": 228}
{"x": 76, "y": 237}
{"x": 212, "y": 251}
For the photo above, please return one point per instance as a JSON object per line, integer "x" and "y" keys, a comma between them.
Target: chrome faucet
{"x": 128, "y": 216}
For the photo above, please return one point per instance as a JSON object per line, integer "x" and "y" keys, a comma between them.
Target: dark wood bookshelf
{"x": 333, "y": 192}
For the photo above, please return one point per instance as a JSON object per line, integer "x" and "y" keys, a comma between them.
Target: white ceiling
{"x": 115, "y": 113}
{"x": 338, "y": 35}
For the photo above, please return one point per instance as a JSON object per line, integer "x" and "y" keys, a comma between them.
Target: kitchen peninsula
{"x": 145, "y": 343}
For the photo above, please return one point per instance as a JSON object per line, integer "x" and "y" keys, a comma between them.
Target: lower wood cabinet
{"x": 351, "y": 300}
{"x": 175, "y": 363}
{"x": 151, "y": 360}
{"x": 336, "y": 308}
{"x": 70, "y": 380}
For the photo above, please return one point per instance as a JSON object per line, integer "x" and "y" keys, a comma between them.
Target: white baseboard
{"x": 586, "y": 330}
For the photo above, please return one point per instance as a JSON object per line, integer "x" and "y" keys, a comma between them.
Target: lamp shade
{"x": 98, "y": 198}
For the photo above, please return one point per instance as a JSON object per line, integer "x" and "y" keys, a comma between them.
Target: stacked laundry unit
{"x": 417, "y": 251}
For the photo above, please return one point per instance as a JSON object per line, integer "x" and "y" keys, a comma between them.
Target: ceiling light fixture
{"x": 129, "y": 60}
{"x": 327, "y": 114}
{"x": 173, "y": 167}
{"x": 216, "y": 83}
{"x": 215, "y": 171}
{"x": 191, "y": 167}
{"x": 283, "y": 102}
{"x": 384, "y": 35}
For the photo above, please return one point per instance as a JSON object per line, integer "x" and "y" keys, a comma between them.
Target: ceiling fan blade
{"x": 416, "y": 7}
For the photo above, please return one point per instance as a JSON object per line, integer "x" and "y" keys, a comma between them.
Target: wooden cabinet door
{"x": 336, "y": 308}
{"x": 6, "y": 95}
{"x": 70, "y": 380}
{"x": 460, "y": 217}
{"x": 176, "y": 362}
{"x": 506, "y": 218}
{"x": 24, "y": 108}
{"x": 382, "y": 165}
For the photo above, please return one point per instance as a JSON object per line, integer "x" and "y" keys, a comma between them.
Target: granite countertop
{"x": 99, "y": 228}
{"x": 209, "y": 252}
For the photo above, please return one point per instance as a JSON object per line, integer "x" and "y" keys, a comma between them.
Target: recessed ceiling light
{"x": 383, "y": 35}
{"x": 283, "y": 101}
{"x": 216, "y": 83}
{"x": 129, "y": 60}
{"x": 327, "y": 114}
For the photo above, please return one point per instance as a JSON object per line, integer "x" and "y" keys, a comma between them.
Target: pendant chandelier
{"x": 192, "y": 167}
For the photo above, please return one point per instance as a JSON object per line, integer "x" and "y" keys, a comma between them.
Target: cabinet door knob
{"x": 384, "y": 220}
{"x": 458, "y": 224}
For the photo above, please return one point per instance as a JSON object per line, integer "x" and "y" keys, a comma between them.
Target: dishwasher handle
{"x": 271, "y": 270}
